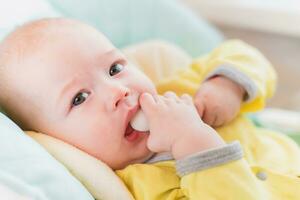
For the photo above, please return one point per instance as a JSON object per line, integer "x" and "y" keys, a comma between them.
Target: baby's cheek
{"x": 99, "y": 134}
{"x": 97, "y": 144}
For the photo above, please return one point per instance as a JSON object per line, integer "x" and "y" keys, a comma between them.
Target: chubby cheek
{"x": 98, "y": 137}
{"x": 105, "y": 147}
{"x": 88, "y": 131}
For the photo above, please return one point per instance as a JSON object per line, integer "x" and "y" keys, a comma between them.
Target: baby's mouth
{"x": 130, "y": 114}
{"x": 131, "y": 134}
{"x": 129, "y": 130}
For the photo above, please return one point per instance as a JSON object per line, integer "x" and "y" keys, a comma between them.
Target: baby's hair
{"x": 23, "y": 41}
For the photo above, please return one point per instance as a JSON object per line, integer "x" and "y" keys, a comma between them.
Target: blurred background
{"x": 273, "y": 26}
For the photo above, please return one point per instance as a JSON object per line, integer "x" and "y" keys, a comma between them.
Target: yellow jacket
{"x": 270, "y": 166}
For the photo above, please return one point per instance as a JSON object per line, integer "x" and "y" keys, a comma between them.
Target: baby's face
{"x": 79, "y": 84}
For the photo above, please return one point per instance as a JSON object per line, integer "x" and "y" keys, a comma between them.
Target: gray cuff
{"x": 210, "y": 158}
{"x": 238, "y": 77}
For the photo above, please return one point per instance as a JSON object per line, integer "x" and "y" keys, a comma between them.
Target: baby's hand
{"x": 175, "y": 125}
{"x": 218, "y": 100}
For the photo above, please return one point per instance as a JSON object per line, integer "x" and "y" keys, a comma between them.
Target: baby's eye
{"x": 115, "y": 68}
{"x": 80, "y": 98}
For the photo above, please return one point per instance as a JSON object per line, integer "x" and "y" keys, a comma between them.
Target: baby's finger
{"x": 219, "y": 120}
{"x": 209, "y": 117}
{"x": 147, "y": 102}
{"x": 171, "y": 95}
{"x": 187, "y": 98}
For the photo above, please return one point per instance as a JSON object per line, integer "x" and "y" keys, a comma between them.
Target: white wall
{"x": 276, "y": 16}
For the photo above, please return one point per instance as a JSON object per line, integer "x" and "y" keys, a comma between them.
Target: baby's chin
{"x": 137, "y": 161}
{"x": 145, "y": 158}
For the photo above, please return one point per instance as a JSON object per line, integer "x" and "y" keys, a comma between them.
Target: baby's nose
{"x": 130, "y": 100}
{"x": 118, "y": 94}
{"x": 121, "y": 97}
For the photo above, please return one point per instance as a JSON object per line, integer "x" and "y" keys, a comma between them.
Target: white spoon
{"x": 139, "y": 122}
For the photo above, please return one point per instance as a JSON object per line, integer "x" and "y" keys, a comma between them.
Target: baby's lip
{"x": 129, "y": 116}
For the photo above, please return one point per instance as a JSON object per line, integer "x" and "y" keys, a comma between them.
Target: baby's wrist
{"x": 195, "y": 143}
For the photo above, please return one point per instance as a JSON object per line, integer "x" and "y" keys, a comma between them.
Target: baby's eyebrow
{"x": 112, "y": 53}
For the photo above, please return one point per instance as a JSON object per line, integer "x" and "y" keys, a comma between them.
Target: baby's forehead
{"x": 34, "y": 36}
{"x": 55, "y": 44}
{"x": 54, "y": 40}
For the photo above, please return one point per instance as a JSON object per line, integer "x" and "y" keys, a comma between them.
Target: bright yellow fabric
{"x": 233, "y": 53}
{"x": 264, "y": 151}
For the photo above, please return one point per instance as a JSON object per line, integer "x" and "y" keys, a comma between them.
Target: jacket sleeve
{"x": 215, "y": 174}
{"x": 222, "y": 173}
{"x": 233, "y": 180}
{"x": 235, "y": 60}
{"x": 204, "y": 175}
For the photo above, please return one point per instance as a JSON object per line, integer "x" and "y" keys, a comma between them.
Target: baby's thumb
{"x": 147, "y": 102}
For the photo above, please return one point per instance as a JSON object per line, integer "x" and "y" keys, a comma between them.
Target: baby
{"x": 75, "y": 85}
{"x": 65, "y": 79}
